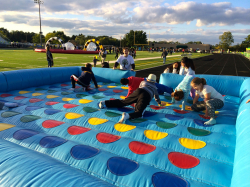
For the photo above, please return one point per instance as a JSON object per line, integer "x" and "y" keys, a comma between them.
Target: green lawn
{"x": 28, "y": 59}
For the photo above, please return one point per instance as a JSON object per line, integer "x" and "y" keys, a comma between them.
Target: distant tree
{"x": 191, "y": 42}
{"x": 198, "y": 42}
{"x": 36, "y": 38}
{"x": 247, "y": 41}
{"x": 226, "y": 39}
{"x": 137, "y": 37}
{"x": 80, "y": 39}
{"x": 50, "y": 35}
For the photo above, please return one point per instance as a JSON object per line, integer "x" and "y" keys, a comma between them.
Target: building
{"x": 184, "y": 46}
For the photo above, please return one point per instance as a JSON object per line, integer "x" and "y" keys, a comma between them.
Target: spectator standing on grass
{"x": 95, "y": 60}
{"x": 126, "y": 61}
{"x": 164, "y": 55}
{"x": 116, "y": 53}
{"x": 103, "y": 54}
{"x": 49, "y": 57}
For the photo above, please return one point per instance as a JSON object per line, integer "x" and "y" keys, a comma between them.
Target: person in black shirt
{"x": 49, "y": 57}
{"x": 85, "y": 78}
{"x": 164, "y": 55}
{"x": 95, "y": 60}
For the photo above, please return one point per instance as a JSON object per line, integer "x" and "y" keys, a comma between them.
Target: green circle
{"x": 90, "y": 109}
{"x": 52, "y": 91}
{"x": 118, "y": 84}
{"x": 81, "y": 95}
{"x": 9, "y": 114}
{"x": 165, "y": 125}
{"x": 97, "y": 97}
{"x": 29, "y": 118}
{"x": 168, "y": 97}
{"x": 39, "y": 89}
{"x": 112, "y": 114}
{"x": 105, "y": 83}
{"x": 198, "y": 132}
{"x": 137, "y": 120}
{"x": 65, "y": 93}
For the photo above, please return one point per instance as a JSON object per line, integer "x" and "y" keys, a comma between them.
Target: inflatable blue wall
{"x": 59, "y": 137}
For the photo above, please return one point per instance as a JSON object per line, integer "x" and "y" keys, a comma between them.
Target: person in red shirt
{"x": 134, "y": 82}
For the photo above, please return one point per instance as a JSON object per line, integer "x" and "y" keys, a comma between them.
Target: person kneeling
{"x": 85, "y": 78}
{"x": 141, "y": 96}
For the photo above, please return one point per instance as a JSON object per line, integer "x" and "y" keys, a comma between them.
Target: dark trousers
{"x": 50, "y": 63}
{"x": 116, "y": 55}
{"x": 140, "y": 96}
{"x": 73, "y": 82}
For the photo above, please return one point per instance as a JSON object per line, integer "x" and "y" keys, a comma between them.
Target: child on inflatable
{"x": 212, "y": 99}
{"x": 182, "y": 91}
{"x": 134, "y": 82}
{"x": 85, "y": 78}
{"x": 141, "y": 96}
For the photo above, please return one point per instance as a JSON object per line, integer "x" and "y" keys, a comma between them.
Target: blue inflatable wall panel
{"x": 241, "y": 172}
{"x": 220, "y": 84}
{"x": 14, "y": 80}
{"x": 3, "y": 83}
{"x": 110, "y": 75}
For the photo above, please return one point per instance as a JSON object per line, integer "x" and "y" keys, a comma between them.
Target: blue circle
{"x": 121, "y": 166}
{"x": 51, "y": 111}
{"x": 92, "y": 92}
{"x": 199, "y": 122}
{"x": 173, "y": 117}
{"x": 149, "y": 114}
{"x": 81, "y": 152}
{"x": 64, "y": 89}
{"x": 24, "y": 133}
{"x": 162, "y": 179}
{"x": 53, "y": 87}
{"x": 125, "y": 109}
{"x": 31, "y": 108}
{"x": 52, "y": 141}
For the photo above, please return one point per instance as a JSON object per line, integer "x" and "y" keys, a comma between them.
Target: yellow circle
{"x": 165, "y": 103}
{"x": 111, "y": 86}
{"x": 125, "y": 88}
{"x": 5, "y": 126}
{"x": 24, "y": 92}
{"x": 67, "y": 99}
{"x": 155, "y": 135}
{"x": 85, "y": 101}
{"x": 96, "y": 121}
{"x": 37, "y": 94}
{"x": 122, "y": 97}
{"x": 72, "y": 115}
{"x": 52, "y": 96}
{"x": 192, "y": 144}
{"x": 123, "y": 127}
{"x": 186, "y": 107}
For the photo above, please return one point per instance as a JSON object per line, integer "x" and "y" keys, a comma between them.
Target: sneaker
{"x": 124, "y": 117}
{"x": 102, "y": 104}
{"x": 212, "y": 121}
{"x": 75, "y": 78}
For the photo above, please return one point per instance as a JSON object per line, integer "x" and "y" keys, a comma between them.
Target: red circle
{"x": 102, "y": 89}
{"x": 78, "y": 87}
{"x": 182, "y": 160}
{"x": 75, "y": 130}
{"x": 133, "y": 105}
{"x": 19, "y": 97}
{"x": 35, "y": 100}
{"x": 69, "y": 106}
{"x": 156, "y": 107}
{"x": 51, "y": 123}
{"x": 63, "y": 85}
{"x": 51, "y": 103}
{"x": 141, "y": 148}
{"x": 202, "y": 116}
{"x": 107, "y": 138}
{"x": 6, "y": 95}
{"x": 117, "y": 91}
{"x": 180, "y": 111}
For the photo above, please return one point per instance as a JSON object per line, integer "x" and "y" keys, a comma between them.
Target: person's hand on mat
{"x": 160, "y": 104}
{"x": 248, "y": 101}
{"x": 189, "y": 108}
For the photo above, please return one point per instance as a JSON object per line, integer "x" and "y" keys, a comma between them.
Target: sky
{"x": 162, "y": 20}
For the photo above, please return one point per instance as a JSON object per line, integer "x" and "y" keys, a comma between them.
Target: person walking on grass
{"x": 49, "y": 57}
{"x": 164, "y": 55}
{"x": 141, "y": 96}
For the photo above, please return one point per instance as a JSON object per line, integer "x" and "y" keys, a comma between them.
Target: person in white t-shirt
{"x": 212, "y": 99}
{"x": 187, "y": 66}
{"x": 126, "y": 61}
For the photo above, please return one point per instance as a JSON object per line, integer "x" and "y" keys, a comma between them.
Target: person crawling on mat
{"x": 141, "y": 96}
{"x": 7, "y": 105}
{"x": 85, "y": 78}
{"x": 212, "y": 99}
{"x": 134, "y": 82}
{"x": 182, "y": 91}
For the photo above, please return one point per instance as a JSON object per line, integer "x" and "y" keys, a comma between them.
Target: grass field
{"x": 28, "y": 59}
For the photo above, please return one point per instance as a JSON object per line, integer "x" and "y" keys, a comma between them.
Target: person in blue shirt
{"x": 182, "y": 91}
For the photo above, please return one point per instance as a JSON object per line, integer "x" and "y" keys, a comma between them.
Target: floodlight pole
{"x": 39, "y": 3}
